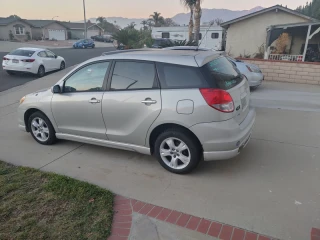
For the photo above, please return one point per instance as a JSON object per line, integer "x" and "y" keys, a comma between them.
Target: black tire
{"x": 93, "y": 46}
{"x": 52, "y": 134}
{"x": 41, "y": 71}
{"x": 192, "y": 144}
{"x": 62, "y": 65}
{"x": 10, "y": 72}
{"x": 254, "y": 88}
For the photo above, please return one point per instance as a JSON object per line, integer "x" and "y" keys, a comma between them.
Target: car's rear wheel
{"x": 177, "y": 151}
{"x": 10, "y": 72}
{"x": 41, "y": 129}
{"x": 41, "y": 71}
{"x": 62, "y": 65}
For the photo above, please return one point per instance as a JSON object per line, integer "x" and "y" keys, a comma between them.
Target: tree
{"x": 311, "y": 9}
{"x": 14, "y": 16}
{"x": 168, "y": 22}
{"x": 131, "y": 25}
{"x": 218, "y": 21}
{"x": 190, "y": 4}
{"x": 145, "y": 24}
{"x": 197, "y": 20}
{"x": 101, "y": 19}
{"x": 106, "y": 26}
{"x": 157, "y": 19}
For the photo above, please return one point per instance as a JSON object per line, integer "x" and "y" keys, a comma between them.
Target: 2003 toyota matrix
{"x": 179, "y": 106}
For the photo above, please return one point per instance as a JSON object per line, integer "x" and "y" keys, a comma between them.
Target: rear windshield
{"x": 221, "y": 73}
{"x": 21, "y": 52}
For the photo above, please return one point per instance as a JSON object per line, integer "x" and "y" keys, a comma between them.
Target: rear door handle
{"x": 148, "y": 101}
{"x": 94, "y": 100}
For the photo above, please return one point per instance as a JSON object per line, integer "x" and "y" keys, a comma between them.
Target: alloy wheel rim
{"x": 62, "y": 66}
{"x": 40, "y": 129}
{"x": 175, "y": 153}
{"x": 41, "y": 71}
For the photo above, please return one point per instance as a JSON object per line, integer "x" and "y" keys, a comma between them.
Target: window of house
{"x": 87, "y": 79}
{"x": 19, "y": 30}
{"x": 133, "y": 75}
{"x": 165, "y": 35}
{"x": 214, "y": 35}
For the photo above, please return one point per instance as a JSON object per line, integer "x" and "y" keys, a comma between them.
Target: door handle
{"x": 94, "y": 100}
{"x": 148, "y": 101}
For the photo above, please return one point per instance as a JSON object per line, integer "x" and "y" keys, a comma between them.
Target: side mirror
{"x": 56, "y": 89}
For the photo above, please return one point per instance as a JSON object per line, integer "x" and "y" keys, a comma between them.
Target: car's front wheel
{"x": 93, "y": 46}
{"x": 41, "y": 129}
{"x": 177, "y": 151}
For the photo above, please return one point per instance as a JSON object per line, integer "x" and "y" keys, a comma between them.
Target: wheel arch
{"x": 27, "y": 115}
{"x": 162, "y": 127}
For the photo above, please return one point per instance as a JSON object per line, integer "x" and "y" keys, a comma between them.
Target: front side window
{"x": 50, "y": 54}
{"x": 221, "y": 73}
{"x": 87, "y": 79}
{"x": 178, "y": 76}
{"x": 133, "y": 75}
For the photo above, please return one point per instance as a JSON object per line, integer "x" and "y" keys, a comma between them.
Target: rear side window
{"x": 133, "y": 75}
{"x": 178, "y": 76}
{"x": 21, "y": 52}
{"x": 220, "y": 73}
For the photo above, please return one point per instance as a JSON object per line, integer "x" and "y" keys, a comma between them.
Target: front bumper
{"x": 224, "y": 140}
{"x": 255, "y": 79}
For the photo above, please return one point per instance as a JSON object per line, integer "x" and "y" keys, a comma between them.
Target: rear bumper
{"x": 224, "y": 140}
{"x": 27, "y": 69}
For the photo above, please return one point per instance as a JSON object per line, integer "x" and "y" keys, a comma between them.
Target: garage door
{"x": 91, "y": 33}
{"x": 57, "y": 34}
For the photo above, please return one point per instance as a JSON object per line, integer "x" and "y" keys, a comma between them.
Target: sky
{"x": 72, "y": 10}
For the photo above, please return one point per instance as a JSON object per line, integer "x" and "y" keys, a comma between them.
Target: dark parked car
{"x": 84, "y": 43}
{"x": 162, "y": 43}
{"x": 103, "y": 38}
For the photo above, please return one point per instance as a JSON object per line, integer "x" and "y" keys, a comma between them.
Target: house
{"x": 19, "y": 29}
{"x": 47, "y": 29}
{"x": 210, "y": 37}
{"x": 76, "y": 30}
{"x": 247, "y": 35}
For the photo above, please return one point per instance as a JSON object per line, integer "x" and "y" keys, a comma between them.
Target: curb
{"x": 122, "y": 221}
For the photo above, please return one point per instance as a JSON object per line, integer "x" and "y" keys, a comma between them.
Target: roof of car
{"x": 32, "y": 49}
{"x": 183, "y": 57}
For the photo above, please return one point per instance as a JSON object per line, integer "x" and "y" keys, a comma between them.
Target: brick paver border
{"x": 122, "y": 221}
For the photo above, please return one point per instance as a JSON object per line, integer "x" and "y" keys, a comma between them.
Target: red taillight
{"x": 219, "y": 99}
{"x": 27, "y": 60}
{"x": 4, "y": 58}
{"x": 249, "y": 68}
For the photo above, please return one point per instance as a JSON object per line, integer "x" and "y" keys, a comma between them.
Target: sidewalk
{"x": 135, "y": 220}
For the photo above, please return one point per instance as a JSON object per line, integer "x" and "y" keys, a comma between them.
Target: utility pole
{"x": 85, "y": 20}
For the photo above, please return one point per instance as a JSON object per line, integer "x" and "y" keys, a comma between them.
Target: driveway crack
{"x": 61, "y": 156}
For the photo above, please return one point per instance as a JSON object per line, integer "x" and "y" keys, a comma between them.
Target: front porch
{"x": 298, "y": 42}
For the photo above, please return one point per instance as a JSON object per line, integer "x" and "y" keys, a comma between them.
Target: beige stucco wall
{"x": 284, "y": 71}
{"x": 4, "y": 31}
{"x": 248, "y": 35}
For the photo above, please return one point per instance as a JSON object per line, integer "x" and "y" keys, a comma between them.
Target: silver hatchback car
{"x": 179, "y": 106}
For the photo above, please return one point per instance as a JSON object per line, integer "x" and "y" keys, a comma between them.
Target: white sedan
{"x": 33, "y": 60}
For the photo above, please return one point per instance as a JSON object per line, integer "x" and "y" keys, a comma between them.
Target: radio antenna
{"x": 211, "y": 24}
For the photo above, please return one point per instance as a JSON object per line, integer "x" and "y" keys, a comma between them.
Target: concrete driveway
{"x": 272, "y": 188}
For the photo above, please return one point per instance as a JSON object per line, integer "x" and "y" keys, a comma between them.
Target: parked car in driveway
{"x": 179, "y": 106}
{"x": 102, "y": 38}
{"x": 84, "y": 43}
{"x": 250, "y": 71}
{"x": 32, "y": 60}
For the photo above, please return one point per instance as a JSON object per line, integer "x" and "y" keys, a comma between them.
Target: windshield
{"x": 222, "y": 74}
{"x": 21, "y": 52}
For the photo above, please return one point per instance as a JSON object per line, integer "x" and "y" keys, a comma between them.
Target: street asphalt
{"x": 271, "y": 188}
{"x": 72, "y": 57}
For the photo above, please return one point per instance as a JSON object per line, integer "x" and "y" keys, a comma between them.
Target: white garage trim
{"x": 57, "y": 34}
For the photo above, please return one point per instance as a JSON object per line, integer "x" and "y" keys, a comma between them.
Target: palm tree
{"x": 197, "y": 20}
{"x": 190, "y": 4}
{"x": 157, "y": 19}
{"x": 101, "y": 19}
{"x": 144, "y": 23}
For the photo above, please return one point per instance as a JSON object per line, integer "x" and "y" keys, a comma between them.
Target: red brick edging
{"x": 315, "y": 234}
{"x": 122, "y": 220}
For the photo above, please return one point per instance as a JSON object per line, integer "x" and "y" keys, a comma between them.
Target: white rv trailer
{"x": 211, "y": 37}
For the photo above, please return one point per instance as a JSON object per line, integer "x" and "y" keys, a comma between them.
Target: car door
{"x": 132, "y": 103}
{"x": 54, "y": 62}
{"x": 44, "y": 60}
{"x": 77, "y": 110}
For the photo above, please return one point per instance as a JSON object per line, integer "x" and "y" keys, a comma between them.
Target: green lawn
{"x": 39, "y": 205}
